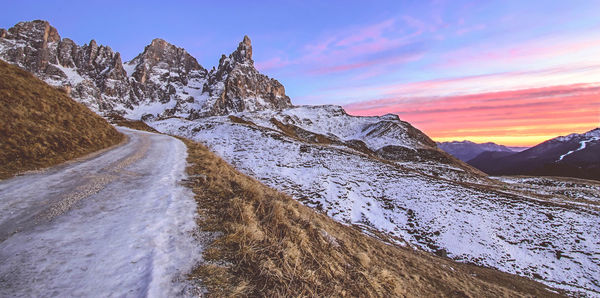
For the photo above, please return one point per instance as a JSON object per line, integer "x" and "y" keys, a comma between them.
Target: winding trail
{"x": 118, "y": 224}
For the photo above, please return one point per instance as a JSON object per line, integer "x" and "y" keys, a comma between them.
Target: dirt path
{"x": 118, "y": 224}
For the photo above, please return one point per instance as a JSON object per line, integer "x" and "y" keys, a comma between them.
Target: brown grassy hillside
{"x": 269, "y": 245}
{"x": 41, "y": 126}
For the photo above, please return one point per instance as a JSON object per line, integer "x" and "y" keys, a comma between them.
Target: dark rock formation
{"x": 237, "y": 86}
{"x": 93, "y": 73}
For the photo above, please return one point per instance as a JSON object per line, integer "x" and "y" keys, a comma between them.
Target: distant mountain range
{"x": 575, "y": 155}
{"x": 467, "y": 150}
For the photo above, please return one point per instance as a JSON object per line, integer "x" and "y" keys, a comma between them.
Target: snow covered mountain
{"x": 163, "y": 80}
{"x": 380, "y": 174}
{"x": 467, "y": 150}
{"x": 575, "y": 155}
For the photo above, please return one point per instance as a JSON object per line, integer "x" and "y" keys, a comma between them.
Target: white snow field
{"x": 547, "y": 236}
{"x": 116, "y": 225}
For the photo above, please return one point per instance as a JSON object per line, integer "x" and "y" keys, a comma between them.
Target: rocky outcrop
{"x": 93, "y": 74}
{"x": 237, "y": 86}
{"x": 167, "y": 75}
{"x": 163, "y": 80}
{"x": 34, "y": 45}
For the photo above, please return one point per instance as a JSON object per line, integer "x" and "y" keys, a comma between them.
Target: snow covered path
{"x": 118, "y": 224}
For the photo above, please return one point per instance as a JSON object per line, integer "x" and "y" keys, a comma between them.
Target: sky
{"x": 511, "y": 72}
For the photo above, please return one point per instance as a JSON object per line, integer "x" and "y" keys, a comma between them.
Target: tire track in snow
{"x": 96, "y": 183}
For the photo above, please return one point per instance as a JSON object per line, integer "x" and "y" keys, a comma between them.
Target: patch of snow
{"x": 582, "y": 145}
{"x": 567, "y": 188}
{"x": 590, "y": 134}
{"x": 129, "y": 68}
{"x": 149, "y": 107}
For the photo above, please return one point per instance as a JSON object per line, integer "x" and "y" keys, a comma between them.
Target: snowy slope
{"x": 333, "y": 121}
{"x": 546, "y": 238}
{"x": 583, "y": 139}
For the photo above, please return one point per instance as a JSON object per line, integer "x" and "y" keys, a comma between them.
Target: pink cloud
{"x": 529, "y": 111}
{"x": 357, "y": 47}
{"x": 275, "y": 62}
{"x": 366, "y": 33}
{"x": 367, "y": 63}
{"x": 483, "y": 83}
{"x": 567, "y": 48}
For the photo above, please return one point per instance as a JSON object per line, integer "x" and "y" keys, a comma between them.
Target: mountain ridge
{"x": 467, "y": 150}
{"x": 166, "y": 81}
{"x": 574, "y": 155}
{"x": 163, "y": 80}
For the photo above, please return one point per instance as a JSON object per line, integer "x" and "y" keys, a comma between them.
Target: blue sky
{"x": 383, "y": 56}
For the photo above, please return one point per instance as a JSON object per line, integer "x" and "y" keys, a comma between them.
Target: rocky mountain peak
{"x": 247, "y": 41}
{"x": 161, "y": 51}
{"x": 237, "y": 86}
{"x": 38, "y": 31}
{"x": 241, "y": 56}
{"x": 159, "y": 42}
{"x": 243, "y": 53}
{"x": 30, "y": 45}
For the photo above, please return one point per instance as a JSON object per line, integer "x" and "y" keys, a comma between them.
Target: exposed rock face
{"x": 167, "y": 75}
{"x": 237, "y": 86}
{"x": 42, "y": 40}
{"x": 93, "y": 74}
{"x": 163, "y": 80}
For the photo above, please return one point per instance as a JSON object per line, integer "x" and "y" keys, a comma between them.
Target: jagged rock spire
{"x": 237, "y": 86}
{"x": 243, "y": 53}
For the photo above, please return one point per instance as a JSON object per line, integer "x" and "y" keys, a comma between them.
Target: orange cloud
{"x": 517, "y": 117}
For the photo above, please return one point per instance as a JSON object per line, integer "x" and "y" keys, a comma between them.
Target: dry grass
{"x": 41, "y": 126}
{"x": 133, "y": 124}
{"x": 270, "y": 245}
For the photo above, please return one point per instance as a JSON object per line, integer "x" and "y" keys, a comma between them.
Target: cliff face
{"x": 163, "y": 80}
{"x": 90, "y": 73}
{"x": 237, "y": 86}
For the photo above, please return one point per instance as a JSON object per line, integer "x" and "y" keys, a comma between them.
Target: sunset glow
{"x": 517, "y": 117}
